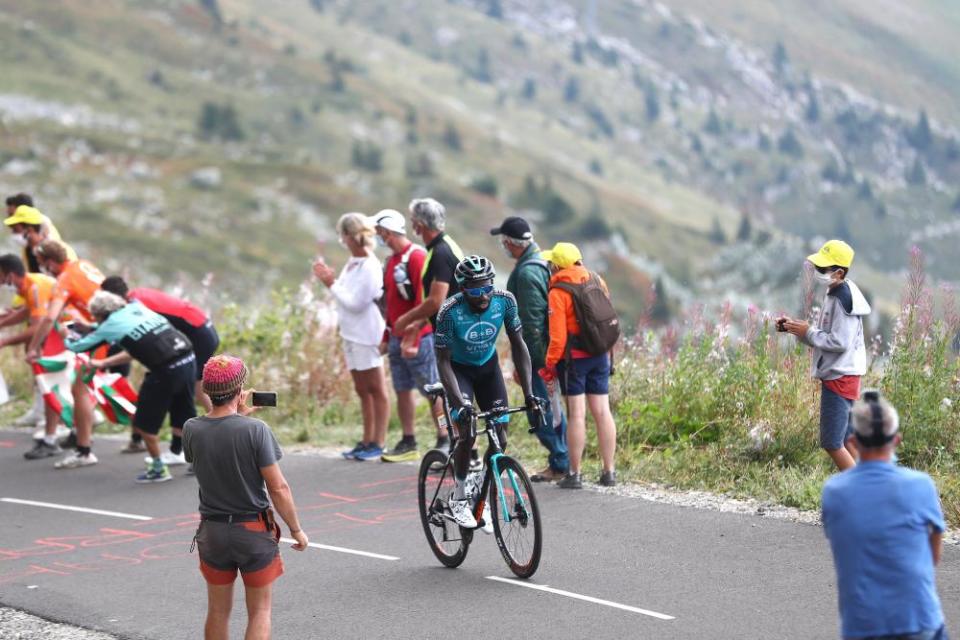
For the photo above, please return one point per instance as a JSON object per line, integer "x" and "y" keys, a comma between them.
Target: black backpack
{"x": 599, "y": 323}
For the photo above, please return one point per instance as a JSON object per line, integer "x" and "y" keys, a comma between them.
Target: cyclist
{"x": 466, "y": 344}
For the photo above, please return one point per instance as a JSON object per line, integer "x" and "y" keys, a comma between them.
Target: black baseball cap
{"x": 513, "y": 227}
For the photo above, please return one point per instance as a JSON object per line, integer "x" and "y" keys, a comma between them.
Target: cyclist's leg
{"x": 461, "y": 454}
{"x": 491, "y": 392}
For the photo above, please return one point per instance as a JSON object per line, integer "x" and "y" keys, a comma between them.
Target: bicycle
{"x": 514, "y": 510}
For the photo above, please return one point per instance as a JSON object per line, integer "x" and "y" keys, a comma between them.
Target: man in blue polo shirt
{"x": 885, "y": 528}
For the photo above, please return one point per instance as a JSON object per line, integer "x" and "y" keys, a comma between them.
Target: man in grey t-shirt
{"x": 235, "y": 459}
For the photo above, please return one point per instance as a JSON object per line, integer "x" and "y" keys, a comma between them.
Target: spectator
{"x": 29, "y": 228}
{"x": 236, "y": 459}
{"x": 839, "y": 353}
{"x": 584, "y": 376}
{"x": 37, "y": 290}
{"x": 188, "y": 319}
{"x": 77, "y": 281}
{"x": 885, "y": 528}
{"x": 529, "y": 282}
{"x": 413, "y": 363}
{"x": 429, "y": 219}
{"x": 150, "y": 339}
{"x": 357, "y": 290}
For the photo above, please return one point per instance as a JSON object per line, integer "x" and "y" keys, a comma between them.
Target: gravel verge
{"x": 18, "y": 625}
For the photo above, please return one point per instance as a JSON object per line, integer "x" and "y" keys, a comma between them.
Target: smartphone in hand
{"x": 263, "y": 399}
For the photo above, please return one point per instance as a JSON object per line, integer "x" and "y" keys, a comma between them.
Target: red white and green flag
{"x": 111, "y": 392}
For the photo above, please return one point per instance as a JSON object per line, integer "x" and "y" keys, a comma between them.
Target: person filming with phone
{"x": 236, "y": 461}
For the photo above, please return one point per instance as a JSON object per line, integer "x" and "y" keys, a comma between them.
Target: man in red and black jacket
{"x": 190, "y": 320}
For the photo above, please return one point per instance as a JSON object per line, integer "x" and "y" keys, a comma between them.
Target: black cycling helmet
{"x": 474, "y": 269}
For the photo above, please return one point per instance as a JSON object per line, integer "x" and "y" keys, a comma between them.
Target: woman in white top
{"x": 356, "y": 290}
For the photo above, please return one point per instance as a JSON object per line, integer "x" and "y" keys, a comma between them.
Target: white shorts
{"x": 361, "y": 357}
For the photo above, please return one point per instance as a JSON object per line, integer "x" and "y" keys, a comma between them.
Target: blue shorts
{"x": 585, "y": 375}
{"x": 413, "y": 373}
{"x": 836, "y": 419}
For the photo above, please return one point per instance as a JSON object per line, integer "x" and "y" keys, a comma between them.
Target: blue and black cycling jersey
{"x": 471, "y": 337}
{"x": 147, "y": 336}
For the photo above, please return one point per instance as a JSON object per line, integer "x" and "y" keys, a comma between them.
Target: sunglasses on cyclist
{"x": 476, "y": 292}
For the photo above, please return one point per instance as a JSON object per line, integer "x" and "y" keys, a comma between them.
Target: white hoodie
{"x": 357, "y": 289}
{"x": 837, "y": 336}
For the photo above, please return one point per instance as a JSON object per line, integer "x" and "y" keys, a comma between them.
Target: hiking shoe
{"x": 608, "y": 478}
{"x": 169, "y": 458}
{"x": 369, "y": 452}
{"x": 351, "y": 453}
{"x": 463, "y": 514}
{"x": 42, "y": 450}
{"x": 134, "y": 446}
{"x": 547, "y": 475}
{"x": 443, "y": 446}
{"x": 69, "y": 441}
{"x": 405, "y": 451}
{"x": 571, "y": 481}
{"x": 153, "y": 474}
{"x": 74, "y": 460}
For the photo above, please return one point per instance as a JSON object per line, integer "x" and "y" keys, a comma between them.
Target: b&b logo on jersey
{"x": 480, "y": 333}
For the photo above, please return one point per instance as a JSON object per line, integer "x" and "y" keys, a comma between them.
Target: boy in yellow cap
{"x": 839, "y": 352}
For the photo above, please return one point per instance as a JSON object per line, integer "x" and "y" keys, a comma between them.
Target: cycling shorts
{"x": 482, "y": 385}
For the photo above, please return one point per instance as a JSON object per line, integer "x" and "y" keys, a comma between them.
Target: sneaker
{"x": 405, "y": 451}
{"x": 608, "y": 478}
{"x": 169, "y": 458}
{"x": 571, "y": 481}
{"x": 69, "y": 441}
{"x": 153, "y": 474}
{"x": 42, "y": 450}
{"x": 443, "y": 445}
{"x": 74, "y": 460}
{"x": 134, "y": 446}
{"x": 487, "y": 527}
{"x": 349, "y": 455}
{"x": 463, "y": 514}
{"x": 369, "y": 452}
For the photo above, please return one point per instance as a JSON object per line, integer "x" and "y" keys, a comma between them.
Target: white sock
{"x": 50, "y": 440}
{"x": 460, "y": 489}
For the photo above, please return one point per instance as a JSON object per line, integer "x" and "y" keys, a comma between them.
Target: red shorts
{"x": 248, "y": 547}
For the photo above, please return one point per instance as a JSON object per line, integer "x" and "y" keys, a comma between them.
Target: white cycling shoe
{"x": 462, "y": 514}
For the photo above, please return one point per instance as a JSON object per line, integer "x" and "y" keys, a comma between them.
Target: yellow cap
{"x": 834, "y": 253}
{"x": 563, "y": 254}
{"x": 24, "y": 215}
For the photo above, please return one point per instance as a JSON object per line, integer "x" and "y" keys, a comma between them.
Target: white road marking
{"x": 577, "y": 596}
{"x": 67, "y": 507}
{"x": 133, "y": 516}
{"x": 355, "y": 552}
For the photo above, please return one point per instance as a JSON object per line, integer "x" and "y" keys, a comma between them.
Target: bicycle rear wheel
{"x": 516, "y": 518}
{"x": 434, "y": 490}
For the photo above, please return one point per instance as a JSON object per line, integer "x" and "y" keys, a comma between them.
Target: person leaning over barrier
{"x": 236, "y": 461}
{"x": 839, "y": 353}
{"x": 529, "y": 282}
{"x": 885, "y": 528}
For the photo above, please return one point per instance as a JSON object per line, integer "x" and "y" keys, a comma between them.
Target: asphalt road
{"x": 717, "y": 575}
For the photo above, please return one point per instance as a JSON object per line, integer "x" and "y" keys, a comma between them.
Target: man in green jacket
{"x": 529, "y": 284}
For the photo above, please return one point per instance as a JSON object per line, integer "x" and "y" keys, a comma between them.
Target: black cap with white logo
{"x": 513, "y": 227}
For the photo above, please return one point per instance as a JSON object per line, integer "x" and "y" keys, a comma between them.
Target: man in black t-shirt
{"x": 428, "y": 219}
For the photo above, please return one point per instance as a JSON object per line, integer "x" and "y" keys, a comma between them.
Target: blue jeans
{"x": 553, "y": 439}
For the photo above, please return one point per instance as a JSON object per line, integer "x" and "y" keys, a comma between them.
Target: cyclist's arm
{"x": 449, "y": 379}
{"x": 521, "y": 360}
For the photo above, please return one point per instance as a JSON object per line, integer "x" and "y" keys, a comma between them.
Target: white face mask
{"x": 506, "y": 250}
{"x": 380, "y": 241}
{"x": 19, "y": 240}
{"x": 824, "y": 278}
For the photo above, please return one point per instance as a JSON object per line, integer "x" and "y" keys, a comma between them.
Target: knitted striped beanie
{"x": 223, "y": 376}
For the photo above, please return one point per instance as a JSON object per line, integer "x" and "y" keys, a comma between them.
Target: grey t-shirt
{"x": 227, "y": 454}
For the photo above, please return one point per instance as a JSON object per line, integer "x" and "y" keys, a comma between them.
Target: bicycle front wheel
{"x": 516, "y": 517}
{"x": 434, "y": 489}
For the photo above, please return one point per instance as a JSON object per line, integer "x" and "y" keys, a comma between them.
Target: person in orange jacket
{"x": 584, "y": 378}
